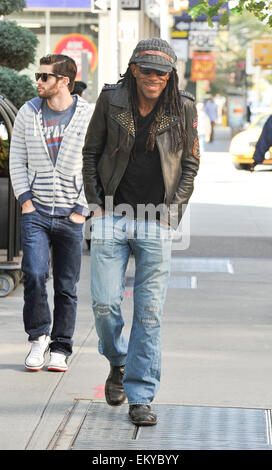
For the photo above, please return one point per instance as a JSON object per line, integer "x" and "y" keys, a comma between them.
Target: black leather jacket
{"x": 103, "y": 167}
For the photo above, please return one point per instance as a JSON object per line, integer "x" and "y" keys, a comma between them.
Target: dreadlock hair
{"x": 169, "y": 102}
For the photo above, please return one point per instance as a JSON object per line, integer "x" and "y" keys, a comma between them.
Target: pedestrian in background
{"x": 203, "y": 127}
{"x": 248, "y": 112}
{"x": 45, "y": 170}
{"x": 79, "y": 87}
{"x": 210, "y": 109}
{"x": 141, "y": 149}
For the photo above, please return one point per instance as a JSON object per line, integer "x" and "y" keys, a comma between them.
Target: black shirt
{"x": 142, "y": 182}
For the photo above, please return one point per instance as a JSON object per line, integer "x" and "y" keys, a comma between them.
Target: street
{"x": 216, "y": 327}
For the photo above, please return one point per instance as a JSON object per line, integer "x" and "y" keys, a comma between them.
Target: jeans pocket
{"x": 75, "y": 223}
{"x": 28, "y": 213}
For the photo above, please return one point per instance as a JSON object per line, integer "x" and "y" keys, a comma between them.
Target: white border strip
{"x": 268, "y": 417}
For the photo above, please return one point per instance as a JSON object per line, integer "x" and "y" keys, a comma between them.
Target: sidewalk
{"x": 210, "y": 361}
{"x": 221, "y": 142}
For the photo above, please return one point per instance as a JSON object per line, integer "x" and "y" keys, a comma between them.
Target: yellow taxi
{"x": 242, "y": 145}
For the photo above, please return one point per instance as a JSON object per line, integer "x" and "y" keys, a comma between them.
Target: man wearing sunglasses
{"x": 45, "y": 169}
{"x": 141, "y": 151}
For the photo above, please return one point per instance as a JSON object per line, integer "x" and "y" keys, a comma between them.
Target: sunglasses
{"x": 44, "y": 76}
{"x": 145, "y": 71}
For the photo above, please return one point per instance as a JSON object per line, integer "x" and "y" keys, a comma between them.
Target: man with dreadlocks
{"x": 141, "y": 150}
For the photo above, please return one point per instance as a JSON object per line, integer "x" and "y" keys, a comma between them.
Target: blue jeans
{"x": 39, "y": 234}
{"x": 114, "y": 238}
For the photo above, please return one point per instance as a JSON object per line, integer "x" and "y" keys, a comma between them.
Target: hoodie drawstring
{"x": 34, "y": 123}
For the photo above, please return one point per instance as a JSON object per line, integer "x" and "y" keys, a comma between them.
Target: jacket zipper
{"x": 54, "y": 187}
{"x": 46, "y": 149}
{"x": 42, "y": 136}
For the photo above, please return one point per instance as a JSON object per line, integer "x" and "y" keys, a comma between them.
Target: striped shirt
{"x": 54, "y": 125}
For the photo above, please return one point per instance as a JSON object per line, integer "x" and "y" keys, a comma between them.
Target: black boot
{"x": 114, "y": 389}
{"x": 142, "y": 415}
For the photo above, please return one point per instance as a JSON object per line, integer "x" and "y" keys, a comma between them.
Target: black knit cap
{"x": 154, "y": 53}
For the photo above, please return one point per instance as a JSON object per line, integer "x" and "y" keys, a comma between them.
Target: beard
{"x": 47, "y": 93}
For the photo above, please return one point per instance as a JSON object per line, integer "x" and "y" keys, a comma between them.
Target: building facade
{"x": 87, "y": 34}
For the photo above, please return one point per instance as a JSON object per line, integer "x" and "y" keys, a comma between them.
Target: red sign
{"x": 73, "y": 45}
{"x": 203, "y": 67}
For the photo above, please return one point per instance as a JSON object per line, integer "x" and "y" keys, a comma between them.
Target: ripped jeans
{"x": 114, "y": 238}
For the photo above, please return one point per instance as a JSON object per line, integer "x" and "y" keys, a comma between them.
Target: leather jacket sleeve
{"x": 93, "y": 148}
{"x": 189, "y": 161}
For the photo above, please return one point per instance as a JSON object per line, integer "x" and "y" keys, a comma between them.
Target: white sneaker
{"x": 36, "y": 357}
{"x": 58, "y": 362}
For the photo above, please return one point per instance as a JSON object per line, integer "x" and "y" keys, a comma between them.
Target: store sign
{"x": 130, "y": 4}
{"x": 203, "y": 67}
{"x": 52, "y": 4}
{"x": 194, "y": 26}
{"x": 200, "y": 34}
{"x": 202, "y": 40}
{"x": 73, "y": 45}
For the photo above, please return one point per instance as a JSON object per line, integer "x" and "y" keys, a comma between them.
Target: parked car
{"x": 243, "y": 144}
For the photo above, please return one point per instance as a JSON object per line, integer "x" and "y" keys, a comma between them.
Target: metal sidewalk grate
{"x": 97, "y": 426}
